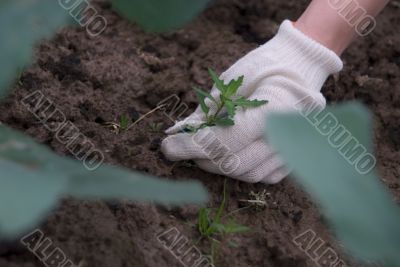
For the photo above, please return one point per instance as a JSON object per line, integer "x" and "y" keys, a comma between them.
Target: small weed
{"x": 123, "y": 122}
{"x": 215, "y": 230}
{"x": 156, "y": 127}
{"x": 228, "y": 101}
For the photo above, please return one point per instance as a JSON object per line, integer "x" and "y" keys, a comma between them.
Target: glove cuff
{"x": 314, "y": 61}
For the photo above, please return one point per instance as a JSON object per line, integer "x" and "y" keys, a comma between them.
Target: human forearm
{"x": 333, "y": 23}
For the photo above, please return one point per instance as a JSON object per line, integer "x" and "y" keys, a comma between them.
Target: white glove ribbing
{"x": 288, "y": 68}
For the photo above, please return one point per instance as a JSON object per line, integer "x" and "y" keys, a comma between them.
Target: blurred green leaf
{"x": 33, "y": 178}
{"x": 23, "y": 23}
{"x": 159, "y": 15}
{"x": 360, "y": 210}
{"x": 108, "y": 182}
{"x": 26, "y": 196}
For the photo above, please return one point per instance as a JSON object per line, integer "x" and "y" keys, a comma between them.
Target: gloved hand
{"x": 287, "y": 69}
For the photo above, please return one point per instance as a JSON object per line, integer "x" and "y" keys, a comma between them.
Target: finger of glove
{"x": 249, "y": 126}
{"x": 250, "y": 122}
{"x": 184, "y": 146}
{"x": 267, "y": 172}
{"x": 276, "y": 176}
{"x": 225, "y": 162}
{"x": 195, "y": 120}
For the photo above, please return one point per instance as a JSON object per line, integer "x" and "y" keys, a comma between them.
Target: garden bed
{"x": 127, "y": 72}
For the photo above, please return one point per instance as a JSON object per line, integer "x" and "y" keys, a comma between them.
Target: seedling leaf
{"x": 226, "y": 102}
{"x": 213, "y": 227}
{"x": 230, "y": 108}
{"x": 242, "y": 102}
{"x": 124, "y": 122}
{"x": 204, "y": 93}
{"x": 218, "y": 82}
{"x": 233, "y": 227}
{"x": 204, "y": 221}
{"x": 233, "y": 86}
{"x": 201, "y": 95}
{"x": 221, "y": 207}
{"x": 224, "y": 122}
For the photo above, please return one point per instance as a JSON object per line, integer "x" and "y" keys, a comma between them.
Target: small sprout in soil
{"x": 215, "y": 230}
{"x": 123, "y": 122}
{"x": 258, "y": 200}
{"x": 224, "y": 109}
{"x": 156, "y": 127}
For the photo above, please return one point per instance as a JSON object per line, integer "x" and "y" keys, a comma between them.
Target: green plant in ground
{"x": 214, "y": 229}
{"x": 223, "y": 109}
{"x": 156, "y": 127}
{"x": 123, "y": 122}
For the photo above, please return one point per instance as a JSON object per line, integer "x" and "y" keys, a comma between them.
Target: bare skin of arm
{"x": 323, "y": 22}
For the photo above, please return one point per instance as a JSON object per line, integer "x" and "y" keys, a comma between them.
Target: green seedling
{"x": 214, "y": 229}
{"x": 123, "y": 122}
{"x": 221, "y": 111}
{"x": 156, "y": 127}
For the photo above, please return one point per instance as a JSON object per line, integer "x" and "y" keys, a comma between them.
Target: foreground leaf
{"x": 34, "y": 178}
{"x": 26, "y": 197}
{"x": 110, "y": 183}
{"x": 24, "y": 23}
{"x": 358, "y": 207}
{"x": 159, "y": 15}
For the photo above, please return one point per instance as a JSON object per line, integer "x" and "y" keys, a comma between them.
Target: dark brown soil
{"x": 127, "y": 71}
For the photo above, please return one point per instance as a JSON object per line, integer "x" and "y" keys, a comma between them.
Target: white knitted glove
{"x": 288, "y": 68}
